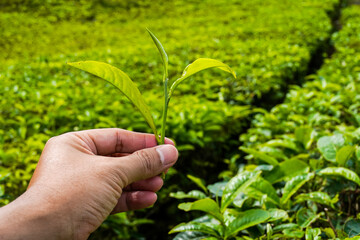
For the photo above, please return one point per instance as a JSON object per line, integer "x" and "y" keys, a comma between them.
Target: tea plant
{"x": 125, "y": 85}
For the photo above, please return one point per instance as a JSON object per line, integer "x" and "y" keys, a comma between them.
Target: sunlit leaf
{"x": 294, "y": 233}
{"x": 287, "y": 169}
{"x": 248, "y": 219}
{"x": 277, "y": 214}
{"x": 340, "y": 172}
{"x": 199, "y": 65}
{"x": 281, "y": 143}
{"x": 206, "y": 205}
{"x": 312, "y": 234}
{"x": 261, "y": 188}
{"x": 344, "y": 154}
{"x": 195, "y": 194}
{"x": 282, "y": 227}
{"x": 269, "y": 231}
{"x": 194, "y": 226}
{"x": 236, "y": 185}
{"x": 122, "y": 82}
{"x": 293, "y": 185}
{"x": 261, "y": 156}
{"x": 198, "y": 181}
{"x": 193, "y": 236}
{"x": 318, "y": 197}
{"x": 162, "y": 52}
{"x": 328, "y": 146}
{"x": 217, "y": 188}
{"x": 304, "y": 135}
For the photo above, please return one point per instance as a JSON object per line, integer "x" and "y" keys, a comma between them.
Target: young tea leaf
{"x": 206, "y": 205}
{"x": 194, "y": 226}
{"x": 312, "y": 234}
{"x": 328, "y": 146}
{"x": 287, "y": 169}
{"x": 261, "y": 156}
{"x": 341, "y": 172}
{"x": 277, "y": 214}
{"x": 318, "y": 197}
{"x": 344, "y": 154}
{"x": 195, "y": 194}
{"x": 293, "y": 185}
{"x": 198, "y": 181}
{"x": 197, "y": 66}
{"x": 122, "y": 82}
{"x": 261, "y": 188}
{"x": 305, "y": 217}
{"x": 248, "y": 219}
{"x": 236, "y": 185}
{"x": 163, "y": 54}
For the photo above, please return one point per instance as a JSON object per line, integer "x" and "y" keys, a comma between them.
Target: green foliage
{"x": 122, "y": 82}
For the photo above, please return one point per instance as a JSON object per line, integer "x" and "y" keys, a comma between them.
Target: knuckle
{"x": 52, "y": 140}
{"x": 147, "y": 160}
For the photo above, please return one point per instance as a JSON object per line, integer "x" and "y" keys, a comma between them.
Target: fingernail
{"x": 169, "y": 141}
{"x": 167, "y": 153}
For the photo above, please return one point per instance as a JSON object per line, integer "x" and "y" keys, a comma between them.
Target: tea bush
{"x": 269, "y": 43}
{"x": 300, "y": 178}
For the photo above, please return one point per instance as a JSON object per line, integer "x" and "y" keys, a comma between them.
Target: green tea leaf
{"x": 217, "y": 188}
{"x": 293, "y": 185}
{"x": 194, "y": 236}
{"x": 197, "y": 66}
{"x": 293, "y": 233}
{"x": 282, "y": 227}
{"x": 261, "y": 156}
{"x": 352, "y": 227}
{"x": 305, "y": 217}
{"x": 312, "y": 234}
{"x": 206, "y": 205}
{"x": 194, "y": 226}
{"x": 328, "y": 146}
{"x": 236, "y": 185}
{"x": 122, "y": 82}
{"x": 277, "y": 214}
{"x": 248, "y": 219}
{"x": 269, "y": 231}
{"x": 162, "y": 52}
{"x": 198, "y": 181}
{"x": 318, "y": 197}
{"x": 281, "y": 143}
{"x": 304, "y": 135}
{"x": 341, "y": 172}
{"x": 260, "y": 188}
{"x": 195, "y": 194}
{"x": 344, "y": 154}
{"x": 287, "y": 169}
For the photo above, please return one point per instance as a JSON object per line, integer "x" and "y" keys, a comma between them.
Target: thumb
{"x": 148, "y": 162}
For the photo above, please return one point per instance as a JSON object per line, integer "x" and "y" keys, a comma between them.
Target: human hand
{"x": 82, "y": 177}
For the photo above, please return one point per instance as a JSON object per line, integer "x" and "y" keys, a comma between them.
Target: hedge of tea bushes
{"x": 300, "y": 177}
{"x": 42, "y": 97}
{"x": 267, "y": 43}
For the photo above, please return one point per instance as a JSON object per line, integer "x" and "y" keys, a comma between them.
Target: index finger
{"x": 114, "y": 140}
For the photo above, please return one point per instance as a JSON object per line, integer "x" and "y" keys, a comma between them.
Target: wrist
{"x": 32, "y": 217}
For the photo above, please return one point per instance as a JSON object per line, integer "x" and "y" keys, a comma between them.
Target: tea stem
{"x": 163, "y": 126}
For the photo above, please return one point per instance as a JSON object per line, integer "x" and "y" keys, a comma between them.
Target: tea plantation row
{"x": 269, "y": 44}
{"x": 300, "y": 178}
